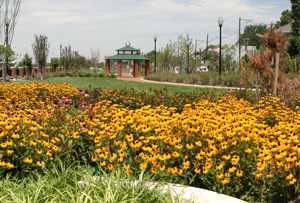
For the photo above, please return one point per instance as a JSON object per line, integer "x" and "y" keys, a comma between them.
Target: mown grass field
{"x": 110, "y": 83}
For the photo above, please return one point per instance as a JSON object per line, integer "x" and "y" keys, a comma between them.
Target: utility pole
{"x": 6, "y": 24}
{"x": 206, "y": 50}
{"x": 60, "y": 51}
{"x": 188, "y": 58}
{"x": 220, "y": 22}
{"x": 6, "y": 66}
{"x": 196, "y": 51}
{"x": 240, "y": 25}
{"x": 155, "y": 53}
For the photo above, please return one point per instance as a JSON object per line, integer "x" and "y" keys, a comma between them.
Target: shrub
{"x": 231, "y": 79}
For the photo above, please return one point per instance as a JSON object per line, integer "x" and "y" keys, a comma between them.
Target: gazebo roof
{"x": 128, "y": 47}
{"x": 128, "y": 53}
{"x": 128, "y": 57}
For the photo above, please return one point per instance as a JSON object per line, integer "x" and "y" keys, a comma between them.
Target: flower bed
{"x": 229, "y": 145}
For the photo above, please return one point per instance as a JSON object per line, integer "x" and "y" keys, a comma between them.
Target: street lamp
{"x": 220, "y": 22}
{"x": 155, "y": 62}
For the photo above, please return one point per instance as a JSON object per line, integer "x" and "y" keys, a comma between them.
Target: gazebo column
{"x": 136, "y": 67}
{"x": 107, "y": 67}
{"x": 131, "y": 64}
{"x": 147, "y": 68}
{"x": 119, "y": 68}
{"x": 14, "y": 72}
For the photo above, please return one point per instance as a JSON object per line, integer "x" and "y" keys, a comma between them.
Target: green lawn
{"x": 109, "y": 83}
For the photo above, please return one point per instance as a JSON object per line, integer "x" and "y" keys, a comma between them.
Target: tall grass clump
{"x": 74, "y": 184}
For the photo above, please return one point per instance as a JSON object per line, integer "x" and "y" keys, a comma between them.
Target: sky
{"x": 106, "y": 25}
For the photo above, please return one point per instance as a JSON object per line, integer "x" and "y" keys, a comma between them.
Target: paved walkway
{"x": 142, "y": 80}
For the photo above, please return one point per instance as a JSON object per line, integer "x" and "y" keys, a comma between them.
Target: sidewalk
{"x": 142, "y": 80}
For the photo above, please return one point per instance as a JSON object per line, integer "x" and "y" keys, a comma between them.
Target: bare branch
{"x": 9, "y": 12}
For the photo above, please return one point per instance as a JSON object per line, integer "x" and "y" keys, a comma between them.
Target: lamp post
{"x": 155, "y": 62}
{"x": 220, "y": 22}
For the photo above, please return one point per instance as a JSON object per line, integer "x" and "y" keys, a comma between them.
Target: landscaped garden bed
{"x": 231, "y": 79}
{"x": 226, "y": 144}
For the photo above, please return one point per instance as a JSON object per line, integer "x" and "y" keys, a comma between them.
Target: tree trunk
{"x": 41, "y": 73}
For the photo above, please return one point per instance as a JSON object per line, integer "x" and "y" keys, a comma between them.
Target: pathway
{"x": 142, "y": 80}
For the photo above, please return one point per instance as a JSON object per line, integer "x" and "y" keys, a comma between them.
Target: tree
{"x": 296, "y": 17}
{"x": 9, "y": 11}
{"x": 229, "y": 61}
{"x": 294, "y": 44}
{"x": 41, "y": 51}
{"x": 54, "y": 63}
{"x": 286, "y": 18}
{"x": 27, "y": 63}
{"x": 186, "y": 47}
{"x": 71, "y": 59}
{"x": 6, "y": 52}
{"x": 95, "y": 58}
{"x": 66, "y": 57}
{"x": 165, "y": 58}
{"x": 250, "y": 35}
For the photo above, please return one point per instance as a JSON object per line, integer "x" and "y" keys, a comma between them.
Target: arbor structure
{"x": 130, "y": 56}
{"x": 41, "y": 50}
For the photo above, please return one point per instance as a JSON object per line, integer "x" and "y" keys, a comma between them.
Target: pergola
{"x": 132, "y": 57}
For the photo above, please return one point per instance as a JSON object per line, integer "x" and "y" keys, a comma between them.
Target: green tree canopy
{"x": 296, "y": 17}
{"x": 55, "y": 63}
{"x": 249, "y": 37}
{"x": 27, "y": 63}
{"x": 286, "y": 18}
{"x": 4, "y": 51}
{"x": 40, "y": 48}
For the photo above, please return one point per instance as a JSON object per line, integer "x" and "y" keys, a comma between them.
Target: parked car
{"x": 202, "y": 69}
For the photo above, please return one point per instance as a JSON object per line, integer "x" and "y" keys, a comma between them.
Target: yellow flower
{"x": 40, "y": 164}
{"x": 143, "y": 166}
{"x": 9, "y": 152}
{"x": 198, "y": 171}
{"x": 248, "y": 151}
{"x": 239, "y": 173}
{"x": 27, "y": 160}
{"x": 186, "y": 165}
{"x": 232, "y": 170}
{"x": 225, "y": 181}
{"x": 293, "y": 181}
{"x": 289, "y": 177}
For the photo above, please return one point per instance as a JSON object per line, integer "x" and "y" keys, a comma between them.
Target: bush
{"x": 231, "y": 79}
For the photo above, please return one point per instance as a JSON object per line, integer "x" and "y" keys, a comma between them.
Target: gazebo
{"x": 128, "y": 62}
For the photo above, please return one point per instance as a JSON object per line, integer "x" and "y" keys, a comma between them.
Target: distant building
{"x": 248, "y": 50}
{"x": 286, "y": 29}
